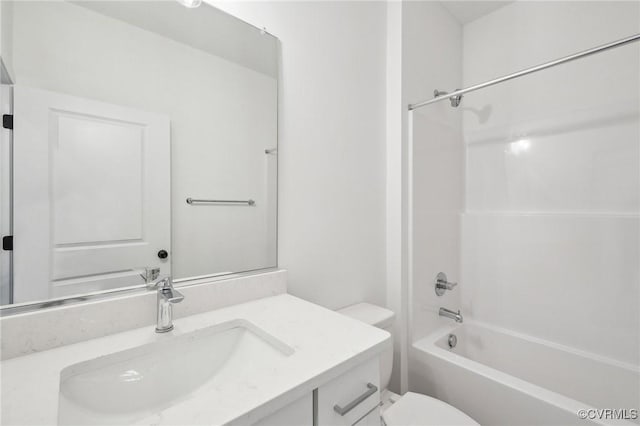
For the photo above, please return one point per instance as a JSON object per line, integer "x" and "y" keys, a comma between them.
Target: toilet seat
{"x": 414, "y": 409}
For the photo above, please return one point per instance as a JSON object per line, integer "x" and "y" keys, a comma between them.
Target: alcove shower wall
{"x": 528, "y": 193}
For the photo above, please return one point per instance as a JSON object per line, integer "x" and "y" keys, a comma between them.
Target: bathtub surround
{"x": 553, "y": 177}
{"x": 547, "y": 240}
{"x": 46, "y": 329}
{"x": 532, "y": 187}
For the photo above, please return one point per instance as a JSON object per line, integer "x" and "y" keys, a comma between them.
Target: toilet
{"x": 410, "y": 409}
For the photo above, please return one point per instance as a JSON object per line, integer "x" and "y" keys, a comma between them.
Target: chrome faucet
{"x": 167, "y": 296}
{"x": 451, "y": 314}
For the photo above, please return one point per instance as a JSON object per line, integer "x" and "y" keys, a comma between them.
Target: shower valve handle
{"x": 442, "y": 284}
{"x": 446, "y": 285}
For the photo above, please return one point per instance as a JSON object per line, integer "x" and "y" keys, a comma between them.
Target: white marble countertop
{"x": 326, "y": 345}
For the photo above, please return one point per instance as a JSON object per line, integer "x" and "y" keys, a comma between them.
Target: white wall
{"x": 332, "y": 146}
{"x": 210, "y": 101}
{"x": 551, "y": 229}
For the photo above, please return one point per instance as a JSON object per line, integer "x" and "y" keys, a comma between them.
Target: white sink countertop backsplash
{"x": 326, "y": 345}
{"x": 30, "y": 332}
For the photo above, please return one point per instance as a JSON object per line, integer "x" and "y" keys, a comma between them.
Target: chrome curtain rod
{"x": 583, "y": 54}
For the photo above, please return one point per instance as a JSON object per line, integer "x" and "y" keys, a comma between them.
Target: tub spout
{"x": 457, "y": 316}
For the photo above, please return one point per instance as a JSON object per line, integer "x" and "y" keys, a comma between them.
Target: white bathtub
{"x": 499, "y": 377}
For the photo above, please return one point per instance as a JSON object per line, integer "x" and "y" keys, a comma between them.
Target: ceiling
{"x": 467, "y": 11}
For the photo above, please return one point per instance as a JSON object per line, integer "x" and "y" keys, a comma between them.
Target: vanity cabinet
{"x": 298, "y": 413}
{"x": 356, "y": 394}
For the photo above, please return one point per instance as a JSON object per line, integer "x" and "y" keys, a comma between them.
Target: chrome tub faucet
{"x": 167, "y": 296}
{"x": 456, "y": 316}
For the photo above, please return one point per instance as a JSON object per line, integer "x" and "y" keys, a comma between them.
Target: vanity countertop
{"x": 326, "y": 345}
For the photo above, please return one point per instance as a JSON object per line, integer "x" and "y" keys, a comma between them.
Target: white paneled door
{"x": 91, "y": 198}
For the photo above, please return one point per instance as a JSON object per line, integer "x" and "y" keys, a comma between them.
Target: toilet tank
{"x": 381, "y": 318}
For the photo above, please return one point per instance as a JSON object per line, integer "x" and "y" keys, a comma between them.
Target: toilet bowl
{"x": 410, "y": 409}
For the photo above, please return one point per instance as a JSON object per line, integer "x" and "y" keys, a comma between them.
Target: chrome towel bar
{"x": 197, "y": 201}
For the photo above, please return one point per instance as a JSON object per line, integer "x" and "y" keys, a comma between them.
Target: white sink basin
{"x": 130, "y": 385}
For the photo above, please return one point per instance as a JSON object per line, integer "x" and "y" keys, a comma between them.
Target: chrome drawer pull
{"x": 193, "y": 201}
{"x": 371, "y": 389}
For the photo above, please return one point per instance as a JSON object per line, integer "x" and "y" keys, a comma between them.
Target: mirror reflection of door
{"x": 91, "y": 195}
{"x": 123, "y": 111}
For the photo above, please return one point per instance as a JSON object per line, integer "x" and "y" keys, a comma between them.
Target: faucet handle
{"x": 173, "y": 296}
{"x": 442, "y": 284}
{"x": 160, "y": 283}
{"x": 165, "y": 288}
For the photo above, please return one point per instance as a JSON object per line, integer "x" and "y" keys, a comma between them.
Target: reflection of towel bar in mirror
{"x": 197, "y": 201}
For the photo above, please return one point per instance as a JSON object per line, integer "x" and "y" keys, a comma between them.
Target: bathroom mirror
{"x": 143, "y": 144}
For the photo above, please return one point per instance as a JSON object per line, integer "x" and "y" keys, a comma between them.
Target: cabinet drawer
{"x": 298, "y": 413}
{"x": 356, "y": 394}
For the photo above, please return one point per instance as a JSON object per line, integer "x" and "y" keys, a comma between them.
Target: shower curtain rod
{"x": 583, "y": 54}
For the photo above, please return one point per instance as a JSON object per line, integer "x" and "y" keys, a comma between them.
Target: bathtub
{"x": 500, "y": 377}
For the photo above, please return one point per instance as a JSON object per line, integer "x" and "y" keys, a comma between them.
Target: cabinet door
{"x": 357, "y": 392}
{"x": 298, "y": 413}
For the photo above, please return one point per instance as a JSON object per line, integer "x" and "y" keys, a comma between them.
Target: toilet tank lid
{"x": 370, "y": 314}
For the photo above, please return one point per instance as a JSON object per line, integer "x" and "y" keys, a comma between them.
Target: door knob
{"x": 163, "y": 254}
